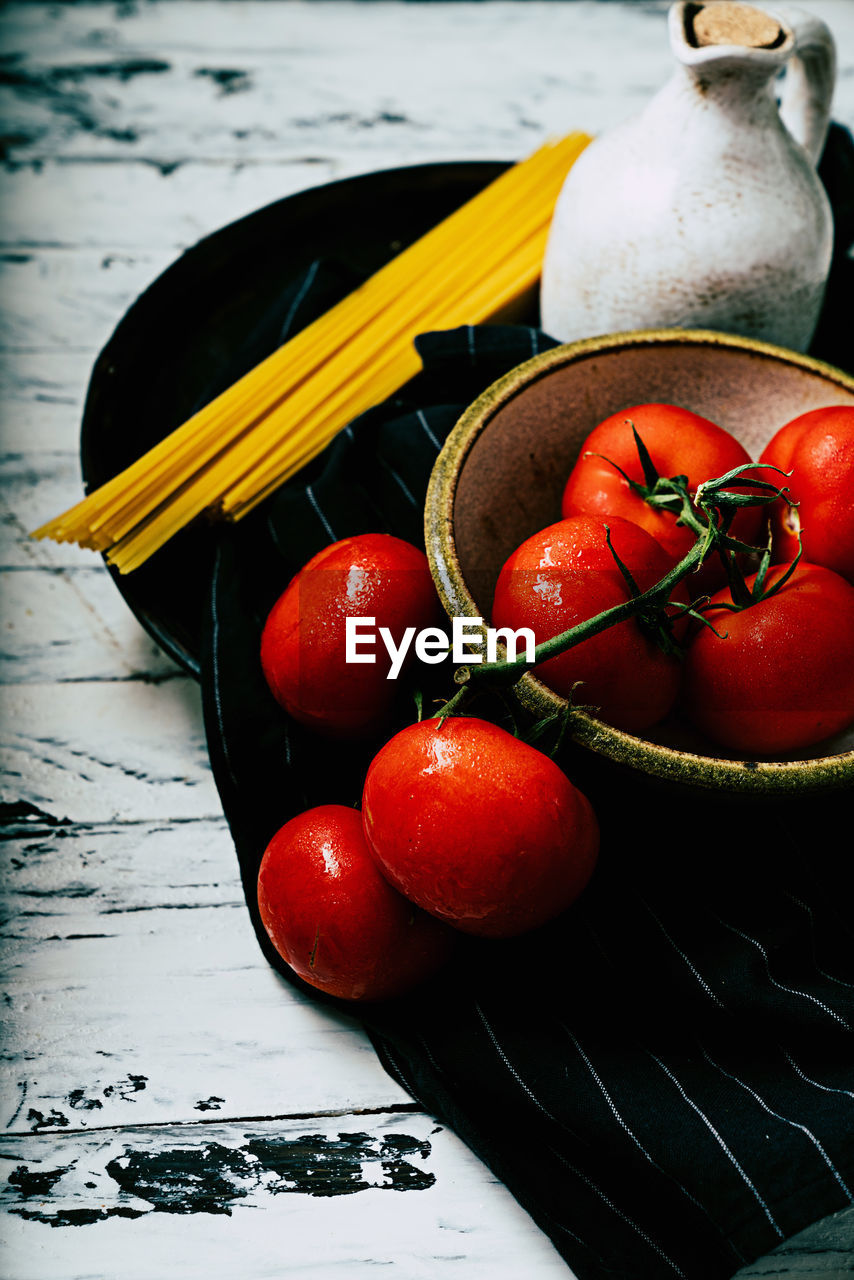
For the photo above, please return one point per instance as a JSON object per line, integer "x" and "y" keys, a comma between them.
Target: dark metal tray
{"x": 159, "y": 361}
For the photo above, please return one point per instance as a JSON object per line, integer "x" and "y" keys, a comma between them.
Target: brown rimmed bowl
{"x": 501, "y": 474}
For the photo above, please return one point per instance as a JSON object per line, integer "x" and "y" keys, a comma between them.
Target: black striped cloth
{"x": 664, "y": 1076}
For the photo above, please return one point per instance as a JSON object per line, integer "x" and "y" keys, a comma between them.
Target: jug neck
{"x": 722, "y": 58}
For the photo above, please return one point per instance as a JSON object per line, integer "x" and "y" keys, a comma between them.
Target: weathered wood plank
{"x": 823, "y": 1251}
{"x": 126, "y": 207}
{"x": 179, "y": 1202}
{"x": 319, "y": 79}
{"x": 72, "y": 624}
{"x": 129, "y": 938}
{"x": 96, "y": 752}
{"x": 26, "y": 482}
{"x": 41, "y": 400}
{"x": 322, "y": 1185}
{"x": 61, "y": 616}
{"x": 136, "y": 991}
{"x": 279, "y": 97}
{"x": 34, "y": 487}
{"x": 311, "y": 79}
{"x": 70, "y": 301}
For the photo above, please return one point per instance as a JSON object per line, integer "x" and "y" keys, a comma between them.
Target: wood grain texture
{"x": 160, "y": 1082}
{"x": 825, "y": 1250}
{"x": 88, "y": 752}
{"x": 41, "y": 394}
{"x": 30, "y": 482}
{"x": 292, "y": 81}
{"x": 277, "y": 97}
{"x": 71, "y": 626}
{"x": 320, "y": 1197}
{"x": 130, "y": 958}
{"x": 55, "y": 300}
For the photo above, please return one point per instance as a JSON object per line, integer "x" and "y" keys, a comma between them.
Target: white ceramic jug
{"x": 705, "y": 210}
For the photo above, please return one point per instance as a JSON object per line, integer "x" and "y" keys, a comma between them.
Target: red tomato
{"x": 334, "y": 919}
{"x": 566, "y": 574}
{"x": 784, "y": 676}
{"x": 477, "y": 827}
{"x": 303, "y": 645}
{"x": 818, "y": 448}
{"x": 679, "y": 443}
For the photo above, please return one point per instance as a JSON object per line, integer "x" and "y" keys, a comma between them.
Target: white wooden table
{"x": 170, "y": 1107}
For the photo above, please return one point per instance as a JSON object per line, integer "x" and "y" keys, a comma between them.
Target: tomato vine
{"x": 708, "y": 513}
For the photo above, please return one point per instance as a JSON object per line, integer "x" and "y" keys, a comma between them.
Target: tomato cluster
{"x": 770, "y": 669}
{"x": 463, "y": 827}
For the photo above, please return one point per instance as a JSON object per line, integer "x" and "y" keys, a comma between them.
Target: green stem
{"x": 509, "y": 672}
{"x": 453, "y": 703}
{"x": 708, "y": 516}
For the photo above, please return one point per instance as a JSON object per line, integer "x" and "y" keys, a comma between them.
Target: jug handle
{"x": 807, "y": 87}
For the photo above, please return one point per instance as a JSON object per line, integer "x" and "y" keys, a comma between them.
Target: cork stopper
{"x": 732, "y": 24}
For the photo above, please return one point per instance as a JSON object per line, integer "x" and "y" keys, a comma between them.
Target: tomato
{"x": 477, "y": 827}
{"x": 679, "y": 443}
{"x": 784, "y": 676}
{"x": 818, "y": 448}
{"x": 303, "y": 649}
{"x": 566, "y": 574}
{"x": 334, "y": 919}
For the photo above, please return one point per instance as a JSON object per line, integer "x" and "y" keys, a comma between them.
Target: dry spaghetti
{"x": 260, "y": 431}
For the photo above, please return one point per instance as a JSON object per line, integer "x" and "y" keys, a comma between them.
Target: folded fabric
{"x": 664, "y": 1076}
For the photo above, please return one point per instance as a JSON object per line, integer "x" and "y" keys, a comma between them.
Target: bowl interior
{"x": 502, "y": 475}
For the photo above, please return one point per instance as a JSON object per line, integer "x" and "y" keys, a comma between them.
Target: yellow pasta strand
{"x": 332, "y": 361}
{"x": 468, "y": 306}
{"x": 384, "y": 379}
{"x": 263, "y": 429}
{"x": 235, "y": 409}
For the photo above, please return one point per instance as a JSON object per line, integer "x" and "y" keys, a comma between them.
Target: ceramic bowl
{"x": 500, "y": 478}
